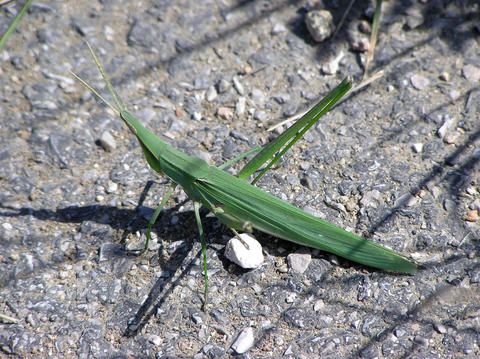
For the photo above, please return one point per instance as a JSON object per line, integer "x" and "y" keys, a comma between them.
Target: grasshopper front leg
{"x": 155, "y": 215}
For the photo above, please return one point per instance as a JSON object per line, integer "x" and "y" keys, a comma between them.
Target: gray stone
{"x": 107, "y": 141}
{"x": 110, "y": 251}
{"x": 240, "y": 106}
{"x": 320, "y": 24}
{"x": 238, "y": 85}
{"x": 471, "y": 73}
{"x": 223, "y": 86}
{"x": 260, "y": 116}
{"x": 419, "y": 82}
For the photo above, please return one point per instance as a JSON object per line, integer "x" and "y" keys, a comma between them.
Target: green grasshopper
{"x": 241, "y": 205}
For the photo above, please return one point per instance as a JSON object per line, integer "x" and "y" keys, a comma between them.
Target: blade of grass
{"x": 287, "y": 139}
{"x": 13, "y": 25}
{"x": 373, "y": 35}
{"x": 360, "y": 86}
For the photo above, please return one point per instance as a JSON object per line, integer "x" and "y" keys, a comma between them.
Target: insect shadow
{"x": 181, "y": 259}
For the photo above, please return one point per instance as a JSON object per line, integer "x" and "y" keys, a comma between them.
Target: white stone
{"x": 7, "y": 226}
{"x": 331, "y": 67}
{"x": 299, "y": 262}
{"x": 447, "y": 126}
{"x": 319, "y": 305}
{"x": 246, "y": 252}
{"x": 417, "y": 147}
{"x": 278, "y": 28}
{"x": 244, "y": 341}
{"x": 155, "y": 340}
{"x": 112, "y": 187}
{"x": 211, "y": 94}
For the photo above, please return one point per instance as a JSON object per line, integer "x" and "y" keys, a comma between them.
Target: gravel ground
{"x": 398, "y": 161}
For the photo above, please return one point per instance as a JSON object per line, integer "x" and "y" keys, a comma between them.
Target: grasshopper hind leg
{"x": 197, "y": 206}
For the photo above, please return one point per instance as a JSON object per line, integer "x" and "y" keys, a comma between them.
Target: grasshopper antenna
{"x": 119, "y": 105}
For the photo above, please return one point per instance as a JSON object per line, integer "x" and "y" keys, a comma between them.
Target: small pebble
{"x": 7, "y": 226}
{"x": 360, "y": 43}
{"x": 244, "y": 341}
{"x": 112, "y": 187}
{"x": 211, "y": 94}
{"x": 319, "y": 305}
{"x": 110, "y": 251}
{"x": 258, "y": 97}
{"x": 472, "y": 215}
{"x": 448, "y": 124}
{"x": 364, "y": 27}
{"x": 240, "y": 105}
{"x": 471, "y": 73}
{"x": 332, "y": 66}
{"x": 278, "y": 28}
{"x": 420, "y": 340}
{"x": 451, "y": 137}
{"x": 415, "y": 18}
{"x": 299, "y": 262}
{"x": 225, "y": 113}
{"x": 107, "y": 141}
{"x": 260, "y": 116}
{"x": 246, "y": 251}
{"x": 155, "y": 340}
{"x": 223, "y": 86}
{"x": 238, "y": 86}
{"x": 197, "y": 116}
{"x": 440, "y": 328}
{"x": 291, "y": 297}
{"x": 417, "y": 147}
{"x": 454, "y": 94}
{"x": 444, "y": 76}
{"x": 320, "y": 24}
{"x": 419, "y": 82}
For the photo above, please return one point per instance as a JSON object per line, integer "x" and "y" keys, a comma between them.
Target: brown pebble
{"x": 179, "y": 112}
{"x": 472, "y": 216}
{"x": 360, "y": 44}
{"x": 24, "y": 134}
{"x": 451, "y": 138}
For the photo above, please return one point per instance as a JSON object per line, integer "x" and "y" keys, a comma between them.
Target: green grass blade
{"x": 13, "y": 25}
{"x": 373, "y": 35}
{"x": 287, "y": 139}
